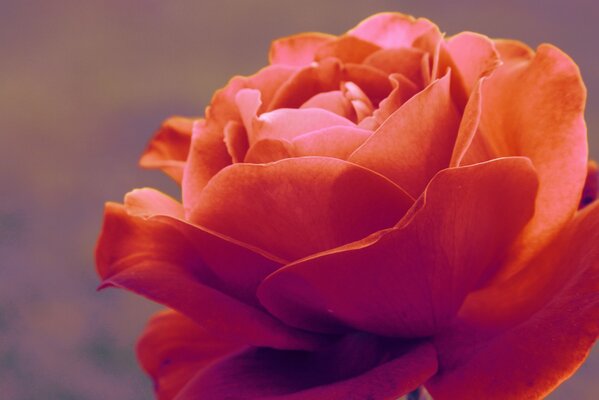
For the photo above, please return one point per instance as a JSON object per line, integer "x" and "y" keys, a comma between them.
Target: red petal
{"x": 190, "y": 270}
{"x": 416, "y": 141}
{"x": 359, "y": 367}
{"x": 409, "y": 281}
{"x": 299, "y": 206}
{"x": 535, "y": 109}
{"x": 173, "y": 349}
{"x": 391, "y": 29}
{"x": 522, "y": 338}
{"x": 373, "y": 82}
{"x": 169, "y": 147}
{"x": 297, "y": 50}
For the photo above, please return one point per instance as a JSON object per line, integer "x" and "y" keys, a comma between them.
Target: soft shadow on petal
{"x": 523, "y": 337}
{"x": 416, "y": 141}
{"x": 535, "y": 108}
{"x": 299, "y": 206}
{"x": 410, "y": 281}
{"x": 191, "y": 269}
{"x": 358, "y": 367}
{"x": 169, "y": 147}
{"x": 173, "y": 349}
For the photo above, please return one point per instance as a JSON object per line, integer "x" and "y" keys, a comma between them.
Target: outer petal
{"x": 410, "y": 281}
{"x": 187, "y": 269}
{"x": 416, "y": 141}
{"x": 535, "y": 109}
{"x": 522, "y": 338}
{"x": 173, "y": 349}
{"x": 299, "y": 206}
{"x": 297, "y": 50}
{"x": 358, "y": 367}
{"x": 391, "y": 29}
{"x": 169, "y": 147}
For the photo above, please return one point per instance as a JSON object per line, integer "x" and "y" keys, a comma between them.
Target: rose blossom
{"x": 370, "y": 213}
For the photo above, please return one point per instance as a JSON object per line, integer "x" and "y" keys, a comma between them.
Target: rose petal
{"x": 359, "y": 367}
{"x": 474, "y": 55}
{"x": 173, "y": 349}
{"x": 347, "y": 49}
{"x": 416, "y": 141}
{"x": 403, "y": 90}
{"x": 370, "y": 80}
{"x": 269, "y": 150}
{"x": 289, "y": 123}
{"x": 335, "y": 141}
{"x": 405, "y": 61}
{"x": 391, "y": 29}
{"x": 409, "y": 281}
{"x": 591, "y": 185}
{"x": 468, "y": 128}
{"x": 208, "y": 153}
{"x": 185, "y": 268}
{"x": 169, "y": 147}
{"x": 334, "y": 101}
{"x": 511, "y": 50}
{"x": 299, "y": 206}
{"x": 315, "y": 78}
{"x": 536, "y": 109}
{"x": 522, "y": 338}
{"x": 297, "y": 50}
{"x": 236, "y": 140}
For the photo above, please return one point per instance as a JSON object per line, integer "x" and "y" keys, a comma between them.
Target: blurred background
{"x": 84, "y": 84}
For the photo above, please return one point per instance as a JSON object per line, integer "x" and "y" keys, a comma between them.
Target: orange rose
{"x": 368, "y": 214}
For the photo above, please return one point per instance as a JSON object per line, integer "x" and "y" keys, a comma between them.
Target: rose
{"x": 367, "y": 214}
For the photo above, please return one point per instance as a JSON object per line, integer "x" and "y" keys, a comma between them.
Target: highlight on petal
{"x": 359, "y": 366}
{"x": 391, "y": 29}
{"x": 416, "y": 141}
{"x": 535, "y": 109}
{"x": 298, "y": 50}
{"x": 169, "y": 147}
{"x": 205, "y": 276}
{"x": 299, "y": 206}
{"x": 547, "y": 315}
{"x": 410, "y": 281}
{"x": 173, "y": 349}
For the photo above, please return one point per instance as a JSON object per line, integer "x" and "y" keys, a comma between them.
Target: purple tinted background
{"x": 82, "y": 87}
